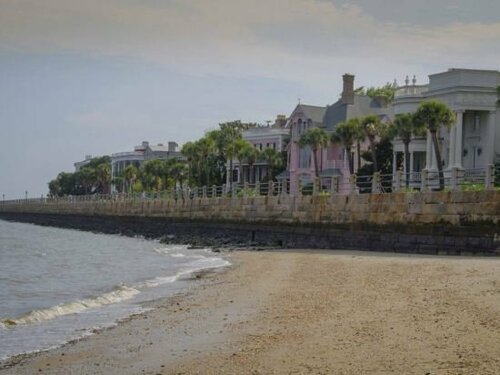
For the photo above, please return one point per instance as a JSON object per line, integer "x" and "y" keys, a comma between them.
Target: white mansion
{"x": 474, "y": 141}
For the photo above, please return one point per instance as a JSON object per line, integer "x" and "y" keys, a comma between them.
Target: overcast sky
{"x": 99, "y": 76}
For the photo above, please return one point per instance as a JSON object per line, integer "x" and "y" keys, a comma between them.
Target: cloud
{"x": 271, "y": 39}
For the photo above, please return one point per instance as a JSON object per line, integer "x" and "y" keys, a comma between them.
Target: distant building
{"x": 142, "y": 153}
{"x": 474, "y": 141}
{"x": 80, "y": 164}
{"x": 332, "y": 160}
{"x": 273, "y": 136}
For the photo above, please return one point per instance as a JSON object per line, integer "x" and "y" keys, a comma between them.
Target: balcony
{"x": 410, "y": 91}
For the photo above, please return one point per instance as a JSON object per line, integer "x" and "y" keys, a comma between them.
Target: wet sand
{"x": 306, "y": 312}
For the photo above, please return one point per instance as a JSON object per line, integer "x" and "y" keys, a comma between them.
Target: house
{"x": 273, "y": 136}
{"x": 473, "y": 142}
{"x": 144, "y": 152}
{"x": 332, "y": 161}
{"x": 80, "y": 164}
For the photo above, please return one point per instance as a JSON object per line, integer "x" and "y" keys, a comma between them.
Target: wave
{"x": 195, "y": 266}
{"x": 120, "y": 294}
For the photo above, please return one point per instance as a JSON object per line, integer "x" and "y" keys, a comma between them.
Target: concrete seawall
{"x": 430, "y": 223}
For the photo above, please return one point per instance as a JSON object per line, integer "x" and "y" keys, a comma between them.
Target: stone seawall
{"x": 430, "y": 223}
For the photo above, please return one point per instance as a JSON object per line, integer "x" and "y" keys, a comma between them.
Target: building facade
{"x": 144, "y": 152}
{"x": 332, "y": 160}
{"x": 274, "y": 136}
{"x": 474, "y": 141}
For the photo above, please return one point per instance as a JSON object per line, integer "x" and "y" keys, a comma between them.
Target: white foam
{"x": 178, "y": 255}
{"x": 117, "y": 295}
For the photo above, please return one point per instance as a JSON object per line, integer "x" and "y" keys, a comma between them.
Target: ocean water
{"x": 59, "y": 284}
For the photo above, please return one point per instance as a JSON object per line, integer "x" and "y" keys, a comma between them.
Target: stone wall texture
{"x": 434, "y": 222}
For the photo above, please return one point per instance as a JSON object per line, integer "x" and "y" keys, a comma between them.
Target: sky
{"x": 100, "y": 76}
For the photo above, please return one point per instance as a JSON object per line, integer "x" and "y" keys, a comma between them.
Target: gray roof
{"x": 363, "y": 106}
{"x": 158, "y": 148}
{"x": 315, "y": 113}
{"x": 330, "y": 172}
{"x": 283, "y": 175}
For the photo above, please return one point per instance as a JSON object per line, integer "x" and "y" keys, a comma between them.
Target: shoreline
{"x": 199, "y": 276}
{"x": 308, "y": 312}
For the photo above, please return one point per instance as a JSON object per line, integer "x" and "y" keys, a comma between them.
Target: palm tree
{"x": 373, "y": 127}
{"x": 231, "y": 152}
{"x": 316, "y": 139}
{"x": 346, "y": 133}
{"x": 177, "y": 170}
{"x": 432, "y": 115}
{"x": 273, "y": 159}
{"x": 241, "y": 146}
{"x": 205, "y": 147}
{"x": 103, "y": 176}
{"x": 189, "y": 151}
{"x": 130, "y": 175}
{"x": 404, "y": 128}
{"x": 251, "y": 154}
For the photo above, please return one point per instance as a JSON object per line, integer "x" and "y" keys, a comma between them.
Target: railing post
{"x": 204, "y": 192}
{"x": 316, "y": 186}
{"x": 214, "y": 191}
{"x": 257, "y": 188}
{"x": 352, "y": 183}
{"x": 270, "y": 188}
{"x": 454, "y": 178}
{"x": 376, "y": 182}
{"x": 424, "y": 180}
{"x": 298, "y": 186}
{"x": 334, "y": 188}
{"x": 397, "y": 182}
{"x": 489, "y": 178}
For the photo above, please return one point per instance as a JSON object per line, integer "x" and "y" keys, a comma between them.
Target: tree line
{"x": 203, "y": 163}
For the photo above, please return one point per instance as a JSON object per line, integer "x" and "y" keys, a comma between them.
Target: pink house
{"x": 332, "y": 161}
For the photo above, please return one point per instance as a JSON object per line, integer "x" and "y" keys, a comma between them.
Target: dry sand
{"x": 307, "y": 313}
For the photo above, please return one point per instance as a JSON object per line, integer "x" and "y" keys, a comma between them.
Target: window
{"x": 305, "y": 157}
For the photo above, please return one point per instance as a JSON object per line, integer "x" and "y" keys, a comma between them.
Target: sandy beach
{"x": 306, "y": 312}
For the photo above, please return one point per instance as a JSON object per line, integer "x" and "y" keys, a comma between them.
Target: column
{"x": 411, "y": 162}
{"x": 451, "y": 156}
{"x": 433, "y": 156}
{"x": 490, "y": 140}
{"x": 394, "y": 160}
{"x": 428, "y": 151}
{"x": 459, "y": 139}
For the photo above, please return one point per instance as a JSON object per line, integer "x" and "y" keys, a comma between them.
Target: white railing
{"x": 425, "y": 181}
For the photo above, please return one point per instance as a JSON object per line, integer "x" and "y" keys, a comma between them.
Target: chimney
{"x": 348, "y": 91}
{"x": 172, "y": 147}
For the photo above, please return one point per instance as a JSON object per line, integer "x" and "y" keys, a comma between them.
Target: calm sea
{"x": 58, "y": 284}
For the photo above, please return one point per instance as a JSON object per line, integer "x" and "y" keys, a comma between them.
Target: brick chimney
{"x": 348, "y": 90}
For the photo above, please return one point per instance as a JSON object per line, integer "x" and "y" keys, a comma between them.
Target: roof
{"x": 283, "y": 175}
{"x": 315, "y": 113}
{"x": 331, "y": 172}
{"x": 363, "y": 106}
{"x": 158, "y": 148}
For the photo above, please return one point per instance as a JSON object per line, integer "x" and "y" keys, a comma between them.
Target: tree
{"x": 404, "y": 128}
{"x": 129, "y": 176}
{"x": 154, "y": 175}
{"x": 177, "y": 170}
{"x": 316, "y": 139}
{"x": 204, "y": 148}
{"x": 432, "y": 115}
{"x": 273, "y": 159}
{"x": 241, "y": 146}
{"x": 103, "y": 177}
{"x": 373, "y": 127}
{"x": 250, "y": 154}
{"x": 346, "y": 133}
{"x": 86, "y": 178}
{"x": 189, "y": 151}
